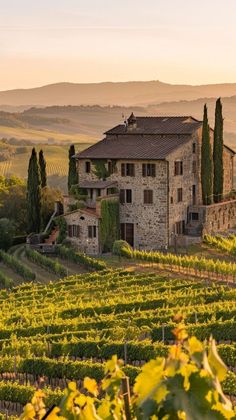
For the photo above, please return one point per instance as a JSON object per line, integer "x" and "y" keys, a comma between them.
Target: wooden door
{"x": 127, "y": 232}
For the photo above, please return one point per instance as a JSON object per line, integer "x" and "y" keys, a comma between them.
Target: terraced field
{"x": 50, "y": 334}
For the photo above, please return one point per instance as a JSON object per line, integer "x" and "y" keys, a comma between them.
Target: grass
{"x": 43, "y": 135}
{"x": 57, "y": 163}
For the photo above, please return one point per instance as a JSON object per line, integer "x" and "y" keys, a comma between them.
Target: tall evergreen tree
{"x": 42, "y": 167}
{"x": 206, "y": 161}
{"x": 218, "y": 177}
{"x": 73, "y": 178}
{"x": 34, "y": 194}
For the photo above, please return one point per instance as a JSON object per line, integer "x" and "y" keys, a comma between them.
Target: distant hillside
{"x": 85, "y": 124}
{"x": 123, "y": 94}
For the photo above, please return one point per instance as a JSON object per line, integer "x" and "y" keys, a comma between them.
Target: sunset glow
{"x": 99, "y": 40}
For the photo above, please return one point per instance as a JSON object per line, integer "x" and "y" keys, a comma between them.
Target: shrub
{"x": 119, "y": 245}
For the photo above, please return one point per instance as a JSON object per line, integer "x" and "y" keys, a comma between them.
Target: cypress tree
{"x": 218, "y": 178}
{"x": 42, "y": 167}
{"x": 206, "y": 161}
{"x": 72, "y": 174}
{"x": 34, "y": 194}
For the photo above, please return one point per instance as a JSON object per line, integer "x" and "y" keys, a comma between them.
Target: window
{"x": 194, "y": 216}
{"x": 149, "y": 169}
{"x": 87, "y": 167}
{"x": 171, "y": 200}
{"x": 92, "y": 231}
{"x": 178, "y": 167}
{"x": 127, "y": 169}
{"x": 194, "y": 147}
{"x": 111, "y": 167}
{"x": 125, "y": 196}
{"x": 73, "y": 231}
{"x": 179, "y": 195}
{"x": 180, "y": 227}
{"x": 194, "y": 170}
{"x": 148, "y": 197}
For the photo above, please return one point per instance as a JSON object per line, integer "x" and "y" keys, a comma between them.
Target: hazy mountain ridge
{"x": 109, "y": 93}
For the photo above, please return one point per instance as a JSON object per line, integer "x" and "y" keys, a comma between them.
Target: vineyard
{"x": 224, "y": 244}
{"x": 67, "y": 330}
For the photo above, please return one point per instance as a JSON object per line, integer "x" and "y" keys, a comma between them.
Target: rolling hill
{"x": 123, "y": 94}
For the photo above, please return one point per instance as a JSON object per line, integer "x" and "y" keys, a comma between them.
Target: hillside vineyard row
{"x": 67, "y": 329}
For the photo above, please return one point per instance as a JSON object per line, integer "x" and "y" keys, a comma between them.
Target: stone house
{"x": 152, "y": 165}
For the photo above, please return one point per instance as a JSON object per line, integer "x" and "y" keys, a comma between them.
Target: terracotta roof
{"x": 147, "y": 147}
{"x": 159, "y": 125}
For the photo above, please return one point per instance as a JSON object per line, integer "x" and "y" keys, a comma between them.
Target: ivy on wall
{"x": 61, "y": 223}
{"x": 101, "y": 170}
{"x": 109, "y": 226}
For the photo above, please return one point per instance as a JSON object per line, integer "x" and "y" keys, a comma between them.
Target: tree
{"x": 72, "y": 174}
{"x": 34, "y": 194}
{"x": 218, "y": 178}
{"x": 206, "y": 161}
{"x": 42, "y": 166}
{"x": 13, "y": 202}
{"x": 6, "y": 233}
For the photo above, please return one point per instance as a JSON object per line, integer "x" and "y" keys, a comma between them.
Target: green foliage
{"x": 61, "y": 222}
{"x": 100, "y": 170}
{"x": 72, "y": 173}
{"x": 218, "y": 178}
{"x": 48, "y": 263}
{"x": 206, "y": 161}
{"x": 13, "y": 202}
{"x": 225, "y": 244}
{"x": 34, "y": 194}
{"x": 7, "y": 231}
{"x": 16, "y": 266}
{"x": 109, "y": 226}
{"x": 165, "y": 388}
{"x": 42, "y": 167}
{"x": 118, "y": 246}
{"x": 198, "y": 264}
{"x": 5, "y": 282}
{"x": 79, "y": 258}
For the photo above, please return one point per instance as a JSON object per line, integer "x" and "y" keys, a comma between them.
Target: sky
{"x": 84, "y": 41}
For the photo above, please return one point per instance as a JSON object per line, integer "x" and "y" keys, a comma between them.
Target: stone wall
{"x": 84, "y": 219}
{"x": 179, "y": 211}
{"x": 218, "y": 217}
{"x": 228, "y": 170}
{"x": 150, "y": 221}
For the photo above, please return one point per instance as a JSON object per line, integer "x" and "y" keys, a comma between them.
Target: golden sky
{"x": 176, "y": 41}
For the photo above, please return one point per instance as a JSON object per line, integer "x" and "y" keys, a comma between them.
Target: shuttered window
{"x": 127, "y": 169}
{"x": 178, "y": 167}
{"x": 149, "y": 169}
{"x": 179, "y": 195}
{"x": 92, "y": 231}
{"x": 125, "y": 196}
{"x": 87, "y": 167}
{"x": 148, "y": 197}
{"x": 73, "y": 231}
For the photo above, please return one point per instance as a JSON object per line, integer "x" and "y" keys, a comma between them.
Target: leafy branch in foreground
{"x": 185, "y": 385}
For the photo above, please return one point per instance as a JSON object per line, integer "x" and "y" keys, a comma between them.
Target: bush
{"x": 118, "y": 246}
{"x": 48, "y": 263}
{"x": 6, "y": 233}
{"x": 79, "y": 258}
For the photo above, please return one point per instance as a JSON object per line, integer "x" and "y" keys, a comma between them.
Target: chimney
{"x": 132, "y": 122}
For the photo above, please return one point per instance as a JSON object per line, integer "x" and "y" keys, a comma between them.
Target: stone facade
{"x": 80, "y": 239}
{"x": 218, "y": 217}
{"x": 176, "y": 199}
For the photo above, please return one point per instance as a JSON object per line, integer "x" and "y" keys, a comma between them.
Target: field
{"x": 57, "y": 163}
{"x": 66, "y": 329}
